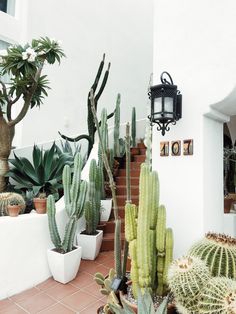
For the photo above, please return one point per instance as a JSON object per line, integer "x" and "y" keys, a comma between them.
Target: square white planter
{"x": 105, "y": 211}
{"x": 90, "y": 244}
{"x": 64, "y": 267}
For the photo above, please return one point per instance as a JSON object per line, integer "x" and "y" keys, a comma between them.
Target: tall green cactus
{"x": 93, "y": 204}
{"x": 133, "y": 127}
{"x": 74, "y": 196}
{"x": 219, "y": 253}
{"x": 150, "y": 243}
{"x": 117, "y": 128}
{"x": 218, "y": 296}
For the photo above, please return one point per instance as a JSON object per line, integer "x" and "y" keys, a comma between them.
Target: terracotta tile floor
{"x": 79, "y": 296}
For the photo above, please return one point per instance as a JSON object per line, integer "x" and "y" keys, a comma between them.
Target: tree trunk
{"x": 6, "y": 135}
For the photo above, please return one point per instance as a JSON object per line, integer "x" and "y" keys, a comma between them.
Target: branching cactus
{"x": 133, "y": 128}
{"x": 218, "y": 296}
{"x": 74, "y": 195}
{"x": 6, "y": 198}
{"x": 186, "y": 277}
{"x": 117, "y": 128}
{"x": 219, "y": 253}
{"x": 150, "y": 243}
{"x": 93, "y": 204}
{"x": 148, "y": 144}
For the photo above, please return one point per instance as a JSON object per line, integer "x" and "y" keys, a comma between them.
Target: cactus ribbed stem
{"x": 133, "y": 127}
{"x": 117, "y": 128}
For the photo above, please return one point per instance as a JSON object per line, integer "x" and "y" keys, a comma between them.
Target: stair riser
{"x": 110, "y": 228}
{"x": 122, "y": 181}
{"x": 139, "y": 158}
{"x": 109, "y": 245}
{"x": 133, "y": 173}
{"x": 142, "y": 151}
{"x": 122, "y": 191}
{"x": 134, "y": 165}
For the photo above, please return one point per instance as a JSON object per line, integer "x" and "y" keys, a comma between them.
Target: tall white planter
{"x": 64, "y": 267}
{"x": 105, "y": 211}
{"x": 90, "y": 244}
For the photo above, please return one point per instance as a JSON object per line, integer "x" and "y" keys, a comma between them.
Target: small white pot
{"x": 64, "y": 267}
{"x": 105, "y": 211}
{"x": 90, "y": 244}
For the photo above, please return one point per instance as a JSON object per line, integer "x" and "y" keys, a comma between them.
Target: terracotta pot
{"x": 227, "y": 205}
{"x": 13, "y": 210}
{"x": 40, "y": 205}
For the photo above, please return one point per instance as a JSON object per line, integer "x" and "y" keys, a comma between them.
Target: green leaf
{"x": 37, "y": 156}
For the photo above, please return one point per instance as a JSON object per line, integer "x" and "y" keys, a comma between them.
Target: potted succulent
{"x": 14, "y": 207}
{"x": 91, "y": 239}
{"x": 6, "y": 198}
{"x": 64, "y": 259}
{"x": 40, "y": 203}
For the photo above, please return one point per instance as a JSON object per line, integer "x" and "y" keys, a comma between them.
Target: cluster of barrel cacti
{"x": 93, "y": 203}
{"x": 204, "y": 281}
{"x": 119, "y": 144}
{"x": 150, "y": 242}
{"x": 75, "y": 192}
{"x": 7, "y": 198}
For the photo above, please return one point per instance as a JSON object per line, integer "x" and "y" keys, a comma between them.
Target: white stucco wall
{"x": 87, "y": 29}
{"x": 195, "y": 42}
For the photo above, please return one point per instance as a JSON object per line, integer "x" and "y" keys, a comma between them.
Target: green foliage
{"x": 74, "y": 194}
{"x": 44, "y": 174}
{"x": 133, "y": 128}
{"x": 10, "y": 198}
{"x": 23, "y": 64}
{"x": 219, "y": 253}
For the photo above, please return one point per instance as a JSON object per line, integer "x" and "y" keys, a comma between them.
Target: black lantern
{"x": 166, "y": 104}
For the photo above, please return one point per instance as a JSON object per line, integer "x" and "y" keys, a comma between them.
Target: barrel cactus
{"x": 5, "y": 200}
{"x": 186, "y": 277}
{"x": 218, "y": 296}
{"x": 74, "y": 195}
{"x": 219, "y": 253}
{"x": 93, "y": 204}
{"x": 150, "y": 242}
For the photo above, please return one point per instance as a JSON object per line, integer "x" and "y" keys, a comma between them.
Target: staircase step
{"x": 140, "y": 158}
{"x": 135, "y": 165}
{"x": 133, "y": 173}
{"x": 121, "y": 200}
{"x": 122, "y": 180}
{"x": 143, "y": 151}
{"x": 121, "y": 190}
{"x": 108, "y": 242}
{"x": 134, "y": 151}
{"x": 110, "y": 226}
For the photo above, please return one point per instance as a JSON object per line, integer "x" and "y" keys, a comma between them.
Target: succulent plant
{"x": 218, "y": 296}
{"x": 7, "y": 198}
{"x": 74, "y": 195}
{"x": 133, "y": 127}
{"x": 186, "y": 278}
{"x": 219, "y": 253}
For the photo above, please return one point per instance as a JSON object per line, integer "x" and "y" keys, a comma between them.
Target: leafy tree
{"x": 24, "y": 65}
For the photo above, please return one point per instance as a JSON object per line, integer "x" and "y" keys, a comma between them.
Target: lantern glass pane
{"x": 169, "y": 107}
{"x": 157, "y": 107}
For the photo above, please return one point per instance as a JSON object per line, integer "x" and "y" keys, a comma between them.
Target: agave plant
{"x": 44, "y": 174}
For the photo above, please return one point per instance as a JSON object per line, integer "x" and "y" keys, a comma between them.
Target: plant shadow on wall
{"x": 27, "y": 85}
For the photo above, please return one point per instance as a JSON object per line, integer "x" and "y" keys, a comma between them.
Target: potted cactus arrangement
{"x": 91, "y": 239}
{"x": 64, "y": 259}
{"x": 10, "y": 198}
{"x": 40, "y": 203}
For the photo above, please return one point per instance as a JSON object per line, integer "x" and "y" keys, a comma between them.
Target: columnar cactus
{"x": 93, "y": 204}
{"x": 150, "y": 243}
{"x": 218, "y": 296}
{"x": 117, "y": 128}
{"x": 133, "y": 127}
{"x": 148, "y": 144}
{"x": 219, "y": 253}
{"x": 74, "y": 196}
{"x": 186, "y": 277}
{"x": 5, "y": 200}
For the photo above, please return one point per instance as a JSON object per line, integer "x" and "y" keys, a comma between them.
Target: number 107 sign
{"x": 175, "y": 148}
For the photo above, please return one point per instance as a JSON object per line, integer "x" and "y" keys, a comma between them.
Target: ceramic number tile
{"x": 188, "y": 147}
{"x": 175, "y": 148}
{"x": 164, "y": 149}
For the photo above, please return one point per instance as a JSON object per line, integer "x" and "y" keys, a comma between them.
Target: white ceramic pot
{"x": 64, "y": 267}
{"x": 90, "y": 244}
{"x": 105, "y": 211}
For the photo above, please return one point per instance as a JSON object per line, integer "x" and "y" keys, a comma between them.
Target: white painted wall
{"x": 123, "y": 30}
{"x": 196, "y": 43}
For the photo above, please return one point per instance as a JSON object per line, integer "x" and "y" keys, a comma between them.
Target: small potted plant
{"x": 64, "y": 259}
{"x": 40, "y": 203}
{"x": 14, "y": 207}
{"x": 91, "y": 239}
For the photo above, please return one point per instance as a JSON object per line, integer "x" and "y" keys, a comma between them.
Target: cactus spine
{"x": 219, "y": 253}
{"x": 151, "y": 245}
{"x": 117, "y": 128}
{"x": 133, "y": 127}
{"x": 93, "y": 204}
{"x": 5, "y": 200}
{"x": 186, "y": 277}
{"x": 74, "y": 194}
{"x": 218, "y": 296}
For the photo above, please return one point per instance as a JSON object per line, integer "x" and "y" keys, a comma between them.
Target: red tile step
{"x": 142, "y": 151}
{"x": 140, "y": 158}
{"x": 108, "y": 242}
{"x": 133, "y": 173}
{"x": 141, "y": 145}
{"x": 121, "y": 190}
{"x": 122, "y": 180}
{"x": 110, "y": 226}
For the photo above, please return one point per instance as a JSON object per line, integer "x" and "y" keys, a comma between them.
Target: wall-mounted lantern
{"x": 166, "y": 104}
